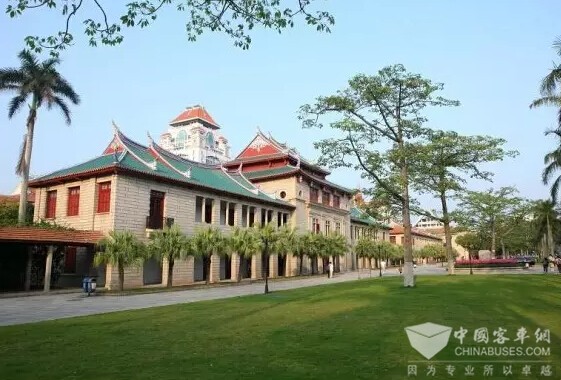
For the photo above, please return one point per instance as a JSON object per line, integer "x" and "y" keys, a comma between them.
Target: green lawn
{"x": 341, "y": 331}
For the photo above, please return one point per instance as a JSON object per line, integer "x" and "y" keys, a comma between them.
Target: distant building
{"x": 428, "y": 222}
{"x": 194, "y": 135}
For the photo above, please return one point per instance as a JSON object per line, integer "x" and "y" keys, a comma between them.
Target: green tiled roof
{"x": 138, "y": 158}
{"x": 270, "y": 172}
{"x": 360, "y": 216}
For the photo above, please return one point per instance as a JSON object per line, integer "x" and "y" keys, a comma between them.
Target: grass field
{"x": 343, "y": 331}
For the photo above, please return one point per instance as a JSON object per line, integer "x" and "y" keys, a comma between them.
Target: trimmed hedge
{"x": 490, "y": 263}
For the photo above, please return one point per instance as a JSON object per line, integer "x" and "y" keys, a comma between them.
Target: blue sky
{"x": 491, "y": 56}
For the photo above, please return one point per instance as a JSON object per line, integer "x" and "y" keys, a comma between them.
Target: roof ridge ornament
{"x": 153, "y": 165}
{"x": 150, "y": 139}
{"x": 115, "y": 127}
{"x": 187, "y": 173}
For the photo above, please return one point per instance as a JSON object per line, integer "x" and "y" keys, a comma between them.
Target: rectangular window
{"x": 231, "y": 214}
{"x": 338, "y": 227}
{"x": 208, "y": 210}
{"x": 73, "y": 206}
{"x": 245, "y": 216}
{"x": 51, "y": 205}
{"x": 336, "y": 201}
{"x": 263, "y": 216}
{"x": 198, "y": 209}
{"x": 270, "y": 216}
{"x": 316, "y": 226}
{"x": 314, "y": 195}
{"x": 70, "y": 260}
{"x": 392, "y": 239}
{"x": 402, "y": 239}
{"x": 103, "y": 196}
{"x": 155, "y": 219}
{"x": 327, "y": 227}
{"x": 251, "y": 216}
{"x": 325, "y": 198}
{"x": 279, "y": 219}
{"x": 223, "y": 212}
{"x": 284, "y": 219}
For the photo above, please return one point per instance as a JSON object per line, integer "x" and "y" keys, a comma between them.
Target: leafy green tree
{"x": 374, "y": 112}
{"x": 41, "y": 82}
{"x": 120, "y": 249}
{"x": 9, "y": 213}
{"x": 205, "y": 243}
{"x": 245, "y": 243}
{"x": 235, "y": 18}
{"x": 488, "y": 211}
{"x": 364, "y": 248}
{"x": 169, "y": 244}
{"x": 443, "y": 162}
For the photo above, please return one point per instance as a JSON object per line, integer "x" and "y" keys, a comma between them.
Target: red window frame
{"x": 51, "y": 205}
{"x": 314, "y": 195}
{"x": 336, "y": 201}
{"x": 325, "y": 198}
{"x": 73, "y": 206}
{"x": 103, "y": 196}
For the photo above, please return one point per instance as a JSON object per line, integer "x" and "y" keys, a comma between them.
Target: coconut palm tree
{"x": 169, "y": 244}
{"x": 121, "y": 249}
{"x": 550, "y": 88}
{"x": 547, "y": 224}
{"x": 41, "y": 82}
{"x": 245, "y": 243}
{"x": 205, "y": 243}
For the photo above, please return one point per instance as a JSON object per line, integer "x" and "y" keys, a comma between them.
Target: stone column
{"x": 235, "y": 266}
{"x": 273, "y": 266}
{"x": 214, "y": 268}
{"x": 48, "y": 268}
{"x": 165, "y": 270}
{"x": 256, "y": 271}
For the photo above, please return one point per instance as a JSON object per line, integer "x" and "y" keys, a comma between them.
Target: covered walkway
{"x": 28, "y": 253}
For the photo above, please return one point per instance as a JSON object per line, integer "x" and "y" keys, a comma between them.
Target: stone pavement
{"x": 43, "y": 307}
{"x": 46, "y": 307}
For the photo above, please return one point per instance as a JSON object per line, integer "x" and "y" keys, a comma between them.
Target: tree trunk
{"x": 447, "y": 233}
{"x": 408, "y": 275}
{"x": 551, "y": 248}
{"x": 207, "y": 260}
{"x": 493, "y": 237}
{"x": 266, "y": 267}
{"x": 240, "y": 266}
{"x": 503, "y": 248}
{"x": 121, "y": 269}
{"x": 28, "y": 146}
{"x": 170, "y": 272}
{"x": 301, "y": 264}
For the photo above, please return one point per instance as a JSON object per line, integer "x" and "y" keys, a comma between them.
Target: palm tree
{"x": 550, "y": 86}
{"x": 170, "y": 244}
{"x": 286, "y": 243}
{"x": 269, "y": 236}
{"x": 245, "y": 243}
{"x": 547, "y": 223}
{"x": 121, "y": 249}
{"x": 42, "y": 82}
{"x": 205, "y": 243}
{"x": 552, "y": 160}
{"x": 336, "y": 245}
{"x": 364, "y": 248}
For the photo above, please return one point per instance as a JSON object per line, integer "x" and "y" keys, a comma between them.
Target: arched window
{"x": 209, "y": 140}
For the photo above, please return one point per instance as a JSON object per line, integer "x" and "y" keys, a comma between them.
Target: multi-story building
{"x": 364, "y": 225}
{"x": 194, "y": 135}
{"x": 419, "y": 237}
{"x": 142, "y": 188}
{"x": 319, "y": 205}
